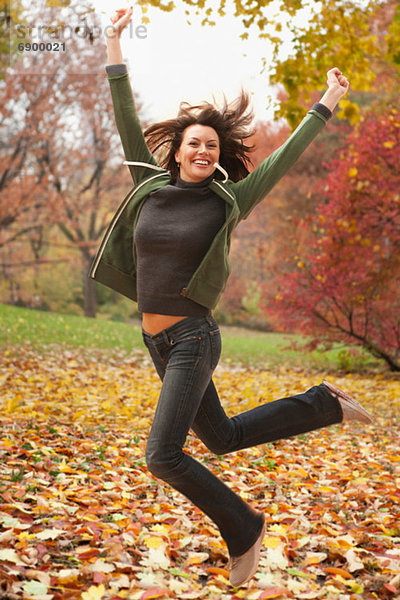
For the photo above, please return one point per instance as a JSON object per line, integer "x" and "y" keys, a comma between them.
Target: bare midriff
{"x": 153, "y": 324}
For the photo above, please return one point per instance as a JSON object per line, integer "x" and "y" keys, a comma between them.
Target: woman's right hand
{"x": 121, "y": 19}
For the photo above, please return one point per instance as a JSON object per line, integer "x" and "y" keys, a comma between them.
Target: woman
{"x": 167, "y": 248}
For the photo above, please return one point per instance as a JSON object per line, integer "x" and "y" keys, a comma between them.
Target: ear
{"x": 177, "y": 157}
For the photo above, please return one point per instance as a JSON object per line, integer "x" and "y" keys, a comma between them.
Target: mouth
{"x": 201, "y": 163}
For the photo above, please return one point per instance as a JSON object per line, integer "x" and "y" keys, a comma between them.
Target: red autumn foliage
{"x": 345, "y": 286}
{"x": 264, "y": 241}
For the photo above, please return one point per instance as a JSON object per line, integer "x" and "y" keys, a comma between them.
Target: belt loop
{"x": 210, "y": 319}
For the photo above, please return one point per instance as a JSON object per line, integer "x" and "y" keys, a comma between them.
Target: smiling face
{"x": 198, "y": 152}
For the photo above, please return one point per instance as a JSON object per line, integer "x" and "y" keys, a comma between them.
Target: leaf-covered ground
{"x": 81, "y": 517}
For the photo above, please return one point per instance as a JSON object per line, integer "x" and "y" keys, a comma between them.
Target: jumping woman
{"x": 167, "y": 248}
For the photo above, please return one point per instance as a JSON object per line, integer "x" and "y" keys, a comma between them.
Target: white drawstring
{"x": 142, "y": 164}
{"x": 225, "y": 174}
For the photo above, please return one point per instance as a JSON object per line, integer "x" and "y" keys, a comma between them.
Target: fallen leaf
{"x": 102, "y": 567}
{"x": 272, "y": 593}
{"x": 196, "y": 558}
{"x": 49, "y": 534}
{"x": 218, "y": 571}
{"x": 156, "y": 558}
{"x": 154, "y": 593}
{"x": 10, "y": 555}
{"x": 338, "y": 571}
{"x": 34, "y": 588}
{"x": 390, "y": 588}
{"x": 353, "y": 561}
{"x": 95, "y": 592}
{"x": 314, "y": 558}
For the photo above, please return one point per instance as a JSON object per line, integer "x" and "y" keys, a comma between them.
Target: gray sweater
{"x": 175, "y": 229}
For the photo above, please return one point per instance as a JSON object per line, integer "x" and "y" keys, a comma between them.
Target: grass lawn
{"x": 247, "y": 347}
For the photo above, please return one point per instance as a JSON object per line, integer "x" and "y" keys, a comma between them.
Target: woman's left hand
{"x": 337, "y": 82}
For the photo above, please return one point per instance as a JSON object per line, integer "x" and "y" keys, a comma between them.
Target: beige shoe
{"x": 352, "y": 410}
{"x": 243, "y": 567}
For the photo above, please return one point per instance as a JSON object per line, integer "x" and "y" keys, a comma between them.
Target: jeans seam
{"x": 153, "y": 346}
{"x": 214, "y": 349}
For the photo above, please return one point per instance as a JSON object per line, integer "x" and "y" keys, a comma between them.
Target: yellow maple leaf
{"x": 153, "y": 542}
{"x": 272, "y": 542}
{"x": 162, "y": 529}
{"x": 95, "y": 592}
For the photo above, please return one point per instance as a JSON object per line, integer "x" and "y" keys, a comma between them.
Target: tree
{"x": 10, "y": 12}
{"x": 346, "y": 286}
{"x": 360, "y": 36}
{"x": 26, "y": 198}
{"x": 59, "y": 156}
{"x": 346, "y": 34}
{"x": 265, "y": 243}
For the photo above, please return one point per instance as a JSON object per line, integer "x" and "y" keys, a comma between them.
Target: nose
{"x": 202, "y": 149}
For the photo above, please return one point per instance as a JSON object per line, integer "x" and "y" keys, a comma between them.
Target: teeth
{"x": 201, "y": 162}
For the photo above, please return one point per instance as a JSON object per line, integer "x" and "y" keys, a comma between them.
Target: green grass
{"x": 276, "y": 349}
{"x": 39, "y": 328}
{"x": 43, "y": 329}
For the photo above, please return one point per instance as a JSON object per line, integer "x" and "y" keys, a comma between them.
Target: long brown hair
{"x": 231, "y": 122}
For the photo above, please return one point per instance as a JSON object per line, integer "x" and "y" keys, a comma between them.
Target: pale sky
{"x": 181, "y": 62}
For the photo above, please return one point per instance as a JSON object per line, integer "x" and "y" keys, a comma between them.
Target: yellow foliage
{"x": 353, "y": 172}
{"x": 350, "y": 111}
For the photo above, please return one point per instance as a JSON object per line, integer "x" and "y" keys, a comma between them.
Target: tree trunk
{"x": 374, "y": 349}
{"x": 392, "y": 363}
{"x": 89, "y": 289}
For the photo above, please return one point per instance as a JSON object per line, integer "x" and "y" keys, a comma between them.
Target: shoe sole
{"x": 351, "y": 403}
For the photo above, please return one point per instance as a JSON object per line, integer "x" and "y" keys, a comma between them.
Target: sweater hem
{"x": 179, "y": 307}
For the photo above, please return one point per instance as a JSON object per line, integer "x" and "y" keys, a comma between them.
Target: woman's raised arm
{"x": 253, "y": 188}
{"x": 119, "y": 20}
{"x": 129, "y": 128}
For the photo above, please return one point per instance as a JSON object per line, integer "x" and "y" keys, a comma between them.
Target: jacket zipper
{"x": 114, "y": 222}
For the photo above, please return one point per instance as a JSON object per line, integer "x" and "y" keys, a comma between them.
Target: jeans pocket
{"x": 186, "y": 336}
{"x": 186, "y": 353}
{"x": 215, "y": 345}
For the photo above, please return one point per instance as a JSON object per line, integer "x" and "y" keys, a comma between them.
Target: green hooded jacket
{"x": 115, "y": 262}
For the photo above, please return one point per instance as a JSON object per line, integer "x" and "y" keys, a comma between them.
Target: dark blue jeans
{"x": 185, "y": 356}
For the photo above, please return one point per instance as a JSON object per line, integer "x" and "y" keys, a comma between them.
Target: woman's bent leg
{"x": 272, "y": 421}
